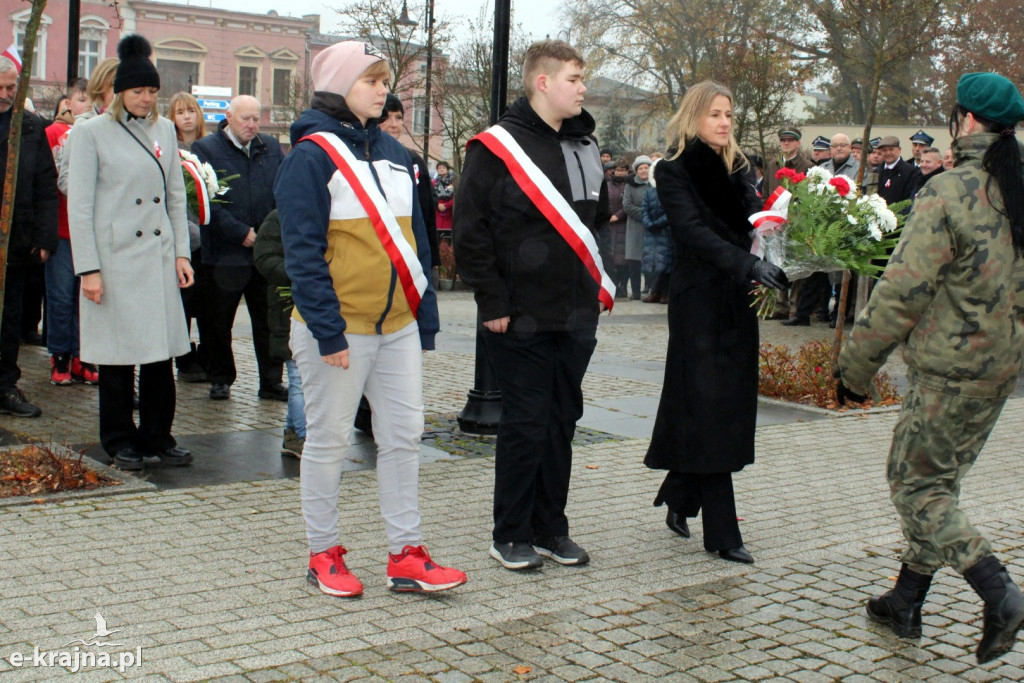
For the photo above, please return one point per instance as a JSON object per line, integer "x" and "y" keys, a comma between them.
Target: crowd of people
{"x": 331, "y": 248}
{"x": 885, "y": 173}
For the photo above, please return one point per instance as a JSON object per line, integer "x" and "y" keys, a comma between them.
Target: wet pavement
{"x": 205, "y": 575}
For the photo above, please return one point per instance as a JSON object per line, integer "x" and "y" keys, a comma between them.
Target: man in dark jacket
{"x": 33, "y": 234}
{"x": 238, "y": 148}
{"x": 537, "y": 300}
{"x": 897, "y": 180}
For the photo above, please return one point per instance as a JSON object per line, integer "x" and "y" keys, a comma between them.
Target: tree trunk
{"x": 14, "y": 141}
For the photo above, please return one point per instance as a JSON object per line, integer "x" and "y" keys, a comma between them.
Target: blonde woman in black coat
{"x": 704, "y": 430}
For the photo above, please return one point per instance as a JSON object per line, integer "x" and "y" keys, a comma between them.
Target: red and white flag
{"x": 12, "y": 54}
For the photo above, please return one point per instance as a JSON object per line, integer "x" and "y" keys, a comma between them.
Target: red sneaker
{"x": 327, "y": 571}
{"x": 60, "y": 370}
{"x": 86, "y": 373}
{"x": 412, "y": 570}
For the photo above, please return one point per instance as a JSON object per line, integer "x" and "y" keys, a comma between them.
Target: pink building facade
{"x": 264, "y": 55}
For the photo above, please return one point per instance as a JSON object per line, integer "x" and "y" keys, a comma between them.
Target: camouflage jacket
{"x": 953, "y": 291}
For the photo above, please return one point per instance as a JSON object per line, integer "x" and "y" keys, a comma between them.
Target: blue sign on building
{"x": 214, "y": 104}
{"x": 213, "y": 116}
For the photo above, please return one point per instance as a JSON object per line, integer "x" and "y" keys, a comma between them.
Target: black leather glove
{"x": 769, "y": 274}
{"x": 845, "y": 393}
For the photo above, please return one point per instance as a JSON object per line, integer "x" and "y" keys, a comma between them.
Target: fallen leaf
{"x": 592, "y": 467}
{"x": 522, "y": 670}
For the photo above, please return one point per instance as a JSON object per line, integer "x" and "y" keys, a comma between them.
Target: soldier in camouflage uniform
{"x": 953, "y": 293}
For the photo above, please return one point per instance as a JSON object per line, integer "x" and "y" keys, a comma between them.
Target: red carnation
{"x": 841, "y": 184}
{"x": 799, "y": 177}
{"x": 784, "y": 173}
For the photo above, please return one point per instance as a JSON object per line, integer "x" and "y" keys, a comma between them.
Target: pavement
{"x": 203, "y": 578}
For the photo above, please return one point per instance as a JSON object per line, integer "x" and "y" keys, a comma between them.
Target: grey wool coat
{"x": 127, "y": 220}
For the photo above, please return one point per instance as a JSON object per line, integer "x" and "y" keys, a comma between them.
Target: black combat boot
{"x": 900, "y": 608}
{"x": 1004, "y": 607}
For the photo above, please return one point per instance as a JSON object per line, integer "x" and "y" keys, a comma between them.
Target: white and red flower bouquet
{"x": 816, "y": 222}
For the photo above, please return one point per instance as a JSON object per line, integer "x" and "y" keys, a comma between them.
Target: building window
{"x": 247, "y": 80}
{"x": 282, "y": 87}
{"x": 88, "y": 57}
{"x": 177, "y": 75}
{"x": 418, "y": 114}
{"x": 39, "y": 53}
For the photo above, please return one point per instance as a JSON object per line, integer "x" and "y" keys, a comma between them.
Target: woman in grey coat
{"x": 129, "y": 239}
{"x": 633, "y": 205}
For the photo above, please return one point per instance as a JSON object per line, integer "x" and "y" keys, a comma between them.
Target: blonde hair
{"x": 189, "y": 102}
{"x": 686, "y": 122}
{"x": 117, "y": 109}
{"x": 547, "y": 57}
{"x": 380, "y": 69}
{"x": 102, "y": 80}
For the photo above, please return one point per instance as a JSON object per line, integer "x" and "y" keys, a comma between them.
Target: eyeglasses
{"x": 839, "y": 145}
{"x": 787, "y": 139}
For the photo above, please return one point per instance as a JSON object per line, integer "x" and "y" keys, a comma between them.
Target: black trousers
{"x": 34, "y": 299}
{"x": 10, "y": 325}
{"x": 225, "y": 286}
{"x": 688, "y": 494}
{"x": 193, "y": 300}
{"x": 540, "y": 376}
{"x": 814, "y": 295}
{"x": 157, "y": 402}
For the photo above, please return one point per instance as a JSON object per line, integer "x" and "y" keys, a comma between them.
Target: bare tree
{"x": 14, "y": 139}
{"x": 866, "y": 43}
{"x": 462, "y": 97}
{"x": 667, "y": 45}
{"x": 376, "y": 21}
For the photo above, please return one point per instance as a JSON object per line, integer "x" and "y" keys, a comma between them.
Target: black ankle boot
{"x": 900, "y": 608}
{"x": 1004, "y": 607}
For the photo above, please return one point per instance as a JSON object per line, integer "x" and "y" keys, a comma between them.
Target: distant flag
{"x": 12, "y": 54}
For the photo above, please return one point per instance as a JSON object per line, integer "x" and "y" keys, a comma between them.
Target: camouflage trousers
{"x": 936, "y": 440}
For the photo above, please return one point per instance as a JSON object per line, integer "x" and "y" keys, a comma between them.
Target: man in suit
{"x": 897, "y": 179}
{"x": 237, "y": 147}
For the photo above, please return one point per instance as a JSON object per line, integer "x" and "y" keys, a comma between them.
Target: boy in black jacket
{"x": 538, "y": 294}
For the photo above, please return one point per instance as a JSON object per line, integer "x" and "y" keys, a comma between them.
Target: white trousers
{"x": 388, "y": 369}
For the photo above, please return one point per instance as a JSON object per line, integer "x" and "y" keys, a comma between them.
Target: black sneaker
{"x": 128, "y": 459}
{"x": 220, "y": 392}
{"x": 13, "y": 402}
{"x": 516, "y": 555}
{"x": 561, "y": 549}
{"x": 175, "y": 456}
{"x": 276, "y": 392}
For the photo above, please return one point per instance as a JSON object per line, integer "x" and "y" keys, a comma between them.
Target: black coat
{"x": 708, "y": 408}
{"x": 268, "y": 258}
{"x": 34, "y": 223}
{"x": 249, "y": 200}
{"x": 900, "y": 182}
{"x": 516, "y": 262}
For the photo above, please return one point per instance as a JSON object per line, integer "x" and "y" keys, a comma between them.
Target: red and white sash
{"x": 202, "y": 193}
{"x": 400, "y": 252}
{"x": 771, "y": 219}
{"x": 535, "y": 185}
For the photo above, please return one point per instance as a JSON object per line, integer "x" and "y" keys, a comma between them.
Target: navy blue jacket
{"x": 249, "y": 200}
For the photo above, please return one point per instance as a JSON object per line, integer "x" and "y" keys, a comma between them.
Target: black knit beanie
{"x": 135, "y": 69}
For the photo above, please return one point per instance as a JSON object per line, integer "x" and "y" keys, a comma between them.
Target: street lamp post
{"x": 74, "y": 19}
{"x": 482, "y": 412}
{"x": 428, "y": 22}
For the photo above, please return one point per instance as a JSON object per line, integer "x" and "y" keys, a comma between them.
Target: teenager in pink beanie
{"x": 356, "y": 252}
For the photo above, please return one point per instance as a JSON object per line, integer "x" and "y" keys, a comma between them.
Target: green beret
{"x": 991, "y": 96}
{"x": 790, "y": 132}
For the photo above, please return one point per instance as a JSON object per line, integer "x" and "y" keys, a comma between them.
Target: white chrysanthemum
{"x": 853, "y": 219}
{"x": 817, "y": 174}
{"x": 875, "y": 233}
{"x": 888, "y": 220}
